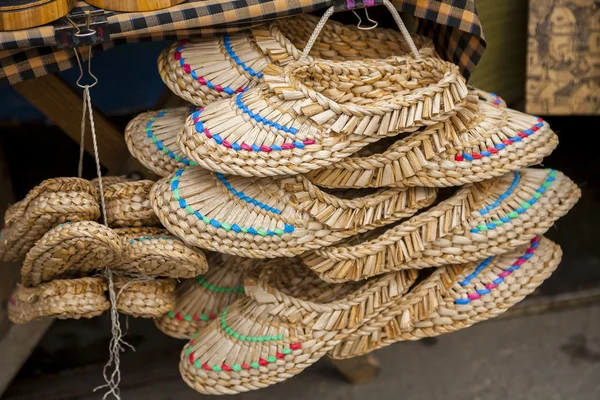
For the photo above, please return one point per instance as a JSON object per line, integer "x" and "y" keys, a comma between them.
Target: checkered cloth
{"x": 30, "y": 53}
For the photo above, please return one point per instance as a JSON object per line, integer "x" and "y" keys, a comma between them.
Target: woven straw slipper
{"x": 482, "y": 291}
{"x": 153, "y": 251}
{"x": 481, "y": 142}
{"x": 290, "y": 321}
{"x": 271, "y": 217}
{"x": 53, "y": 202}
{"x": 311, "y": 114}
{"x": 151, "y": 139}
{"x": 198, "y": 301}
{"x": 489, "y": 97}
{"x": 127, "y": 204}
{"x": 204, "y": 70}
{"x": 511, "y": 211}
{"x": 147, "y": 298}
{"x": 68, "y": 298}
{"x": 109, "y": 180}
{"x": 71, "y": 250}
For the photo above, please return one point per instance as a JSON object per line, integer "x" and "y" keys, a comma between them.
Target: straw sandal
{"x": 71, "y": 250}
{"x": 204, "y": 70}
{"x": 271, "y": 217}
{"x": 151, "y": 139}
{"x": 144, "y": 298}
{"x": 496, "y": 217}
{"x": 109, "y": 180}
{"x": 153, "y": 251}
{"x": 127, "y": 204}
{"x": 312, "y": 114}
{"x": 53, "y": 202}
{"x": 198, "y": 301}
{"x": 482, "y": 291}
{"x": 289, "y": 322}
{"x": 69, "y": 298}
{"x": 481, "y": 142}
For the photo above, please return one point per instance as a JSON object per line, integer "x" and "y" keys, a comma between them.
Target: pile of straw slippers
{"x": 348, "y": 195}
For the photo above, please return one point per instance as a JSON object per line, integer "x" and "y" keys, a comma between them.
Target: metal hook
{"x": 88, "y": 32}
{"x": 89, "y": 69}
{"x": 359, "y": 26}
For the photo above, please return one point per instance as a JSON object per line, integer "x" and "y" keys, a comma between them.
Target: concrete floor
{"x": 553, "y": 356}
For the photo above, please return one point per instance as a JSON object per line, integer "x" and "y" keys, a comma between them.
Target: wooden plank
{"x": 358, "y": 370}
{"x": 60, "y": 103}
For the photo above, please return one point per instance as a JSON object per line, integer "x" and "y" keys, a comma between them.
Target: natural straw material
{"x": 53, "y": 202}
{"x": 483, "y": 290}
{"x": 515, "y": 209}
{"x": 127, "y": 204}
{"x": 144, "y": 298}
{"x": 69, "y": 298}
{"x": 311, "y": 114}
{"x": 204, "y": 70}
{"x": 153, "y": 251}
{"x": 481, "y": 142}
{"x": 109, "y": 180}
{"x": 201, "y": 299}
{"x": 151, "y": 139}
{"x": 290, "y": 321}
{"x": 272, "y": 217}
{"x": 71, "y": 250}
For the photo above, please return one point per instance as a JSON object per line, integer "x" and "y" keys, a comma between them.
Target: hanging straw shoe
{"x": 153, "y": 251}
{"x": 271, "y": 217}
{"x": 198, "y": 301}
{"x": 109, "y": 180}
{"x": 483, "y": 290}
{"x": 53, "y": 202}
{"x": 204, "y": 70}
{"x": 481, "y": 142}
{"x": 480, "y": 220}
{"x": 68, "y": 298}
{"x": 71, "y": 250}
{"x": 151, "y": 139}
{"x": 290, "y": 321}
{"x": 127, "y": 204}
{"x": 144, "y": 298}
{"x": 490, "y": 97}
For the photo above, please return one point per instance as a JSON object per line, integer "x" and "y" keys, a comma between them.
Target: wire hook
{"x": 89, "y": 69}
{"x": 367, "y": 28}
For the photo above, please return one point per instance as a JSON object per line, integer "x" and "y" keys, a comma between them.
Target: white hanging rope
{"x": 389, "y": 6}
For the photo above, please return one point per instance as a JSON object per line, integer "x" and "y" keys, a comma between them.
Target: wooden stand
{"x": 23, "y": 14}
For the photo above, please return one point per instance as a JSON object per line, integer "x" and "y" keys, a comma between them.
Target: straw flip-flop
{"x": 480, "y": 220}
{"x": 155, "y": 252}
{"x": 144, "y": 298}
{"x": 151, "y": 139}
{"x": 489, "y": 97}
{"x": 289, "y": 322}
{"x": 482, "y": 291}
{"x": 127, "y": 204}
{"x": 201, "y": 299}
{"x": 60, "y": 298}
{"x": 309, "y": 115}
{"x": 481, "y": 142}
{"x": 204, "y": 70}
{"x": 272, "y": 217}
{"x": 109, "y": 180}
{"x": 71, "y": 250}
{"x": 53, "y": 202}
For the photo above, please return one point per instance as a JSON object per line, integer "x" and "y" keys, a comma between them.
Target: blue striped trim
{"x": 477, "y": 271}
{"x": 160, "y": 146}
{"x": 236, "y": 59}
{"x": 240, "y": 103}
{"x": 246, "y": 198}
{"x": 503, "y": 196}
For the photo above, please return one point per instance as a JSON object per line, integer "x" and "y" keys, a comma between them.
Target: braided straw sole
{"x": 312, "y": 114}
{"x": 291, "y": 215}
{"x": 297, "y": 317}
{"x": 71, "y": 250}
{"x": 109, "y": 180}
{"x": 145, "y": 298}
{"x": 279, "y": 43}
{"x": 153, "y": 251}
{"x": 202, "y": 299}
{"x": 428, "y": 157}
{"x": 72, "y": 298}
{"x": 406, "y": 247}
{"x": 53, "y": 202}
{"x": 127, "y": 204}
{"x": 447, "y": 316}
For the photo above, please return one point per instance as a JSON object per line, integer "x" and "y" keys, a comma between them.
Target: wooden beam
{"x": 358, "y": 370}
{"x": 61, "y": 104}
